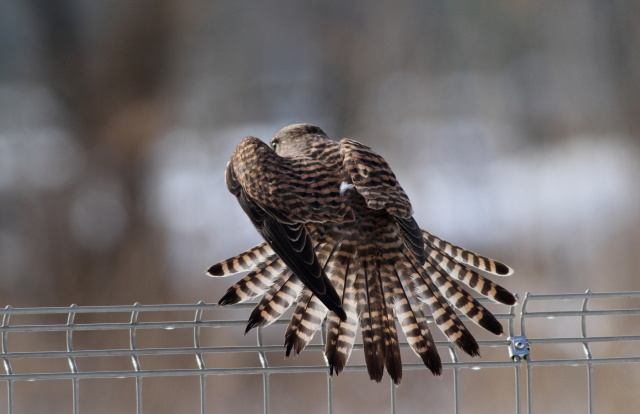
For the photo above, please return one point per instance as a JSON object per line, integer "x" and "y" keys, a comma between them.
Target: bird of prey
{"x": 341, "y": 240}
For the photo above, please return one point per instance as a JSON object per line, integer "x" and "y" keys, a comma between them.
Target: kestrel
{"x": 342, "y": 241}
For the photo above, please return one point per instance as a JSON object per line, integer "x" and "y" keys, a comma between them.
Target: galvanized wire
{"x": 199, "y": 349}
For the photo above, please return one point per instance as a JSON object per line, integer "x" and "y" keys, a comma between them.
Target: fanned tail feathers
{"x": 341, "y": 240}
{"x": 379, "y": 277}
{"x": 452, "y": 267}
{"x": 462, "y": 300}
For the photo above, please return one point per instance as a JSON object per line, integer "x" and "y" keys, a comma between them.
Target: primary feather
{"x": 341, "y": 240}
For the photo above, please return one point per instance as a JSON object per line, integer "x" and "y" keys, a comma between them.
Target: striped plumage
{"x": 342, "y": 242}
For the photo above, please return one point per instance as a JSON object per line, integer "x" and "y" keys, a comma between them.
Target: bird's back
{"x": 346, "y": 221}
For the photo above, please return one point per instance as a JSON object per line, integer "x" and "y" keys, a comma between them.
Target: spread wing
{"x": 263, "y": 187}
{"x": 376, "y": 182}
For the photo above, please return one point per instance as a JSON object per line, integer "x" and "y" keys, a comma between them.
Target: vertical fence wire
{"x": 518, "y": 372}
{"x": 524, "y": 384}
{"x": 330, "y": 395}
{"x": 394, "y": 397}
{"x": 134, "y": 357}
{"x": 323, "y": 341}
{"x": 587, "y": 351}
{"x": 199, "y": 360}
{"x": 6, "y": 363}
{"x": 70, "y": 359}
{"x": 528, "y": 367}
{"x": 456, "y": 380}
{"x": 265, "y": 376}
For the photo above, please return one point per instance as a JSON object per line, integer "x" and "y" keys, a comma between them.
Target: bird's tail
{"x": 378, "y": 279}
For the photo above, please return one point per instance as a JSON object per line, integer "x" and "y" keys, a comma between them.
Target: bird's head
{"x": 291, "y": 138}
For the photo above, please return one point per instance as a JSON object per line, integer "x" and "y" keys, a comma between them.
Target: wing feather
{"x": 374, "y": 179}
{"x": 357, "y": 253}
{"x": 291, "y": 242}
{"x": 376, "y": 182}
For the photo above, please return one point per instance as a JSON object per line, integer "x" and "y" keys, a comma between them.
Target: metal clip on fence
{"x": 15, "y": 375}
{"x": 518, "y": 347}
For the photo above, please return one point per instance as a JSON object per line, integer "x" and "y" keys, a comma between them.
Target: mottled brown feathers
{"x": 342, "y": 242}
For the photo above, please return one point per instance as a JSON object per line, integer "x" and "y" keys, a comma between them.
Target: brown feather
{"x": 339, "y": 233}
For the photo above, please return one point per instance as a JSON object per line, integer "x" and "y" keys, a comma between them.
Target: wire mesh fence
{"x": 143, "y": 358}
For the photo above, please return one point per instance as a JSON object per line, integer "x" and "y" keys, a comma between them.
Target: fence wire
{"x": 47, "y": 344}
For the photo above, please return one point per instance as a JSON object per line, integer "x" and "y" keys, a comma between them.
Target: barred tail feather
{"x": 393, "y": 362}
{"x": 369, "y": 298}
{"x": 307, "y": 318}
{"x": 310, "y": 311}
{"x": 253, "y": 283}
{"x": 341, "y": 335}
{"x": 246, "y": 260}
{"x": 462, "y": 300}
{"x": 276, "y": 301}
{"x": 378, "y": 276}
{"x": 458, "y": 253}
{"x": 473, "y": 279}
{"x": 444, "y": 316}
{"x": 413, "y": 322}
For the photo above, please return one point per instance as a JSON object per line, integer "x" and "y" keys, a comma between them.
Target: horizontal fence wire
{"x": 203, "y": 322}
{"x": 583, "y": 314}
{"x": 196, "y": 350}
{"x": 589, "y": 319}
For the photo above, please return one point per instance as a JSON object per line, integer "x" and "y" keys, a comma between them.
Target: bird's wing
{"x": 376, "y": 182}
{"x": 251, "y": 174}
{"x": 294, "y": 190}
{"x": 374, "y": 179}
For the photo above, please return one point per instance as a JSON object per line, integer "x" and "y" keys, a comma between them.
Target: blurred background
{"x": 513, "y": 127}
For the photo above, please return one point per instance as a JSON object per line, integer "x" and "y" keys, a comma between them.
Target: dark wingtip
{"x": 504, "y": 296}
{"x": 250, "y": 325}
{"x": 255, "y": 320}
{"x": 394, "y": 366}
{"x": 215, "y": 270}
{"x": 468, "y": 344}
{"x": 289, "y": 345}
{"x": 332, "y": 300}
{"x": 420, "y": 257}
{"x": 491, "y": 324}
{"x": 340, "y": 313}
{"x": 431, "y": 360}
{"x": 335, "y": 359}
{"x": 229, "y": 298}
{"x": 374, "y": 360}
{"x": 293, "y": 343}
{"x": 376, "y": 375}
{"x": 502, "y": 269}
{"x": 336, "y": 365}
